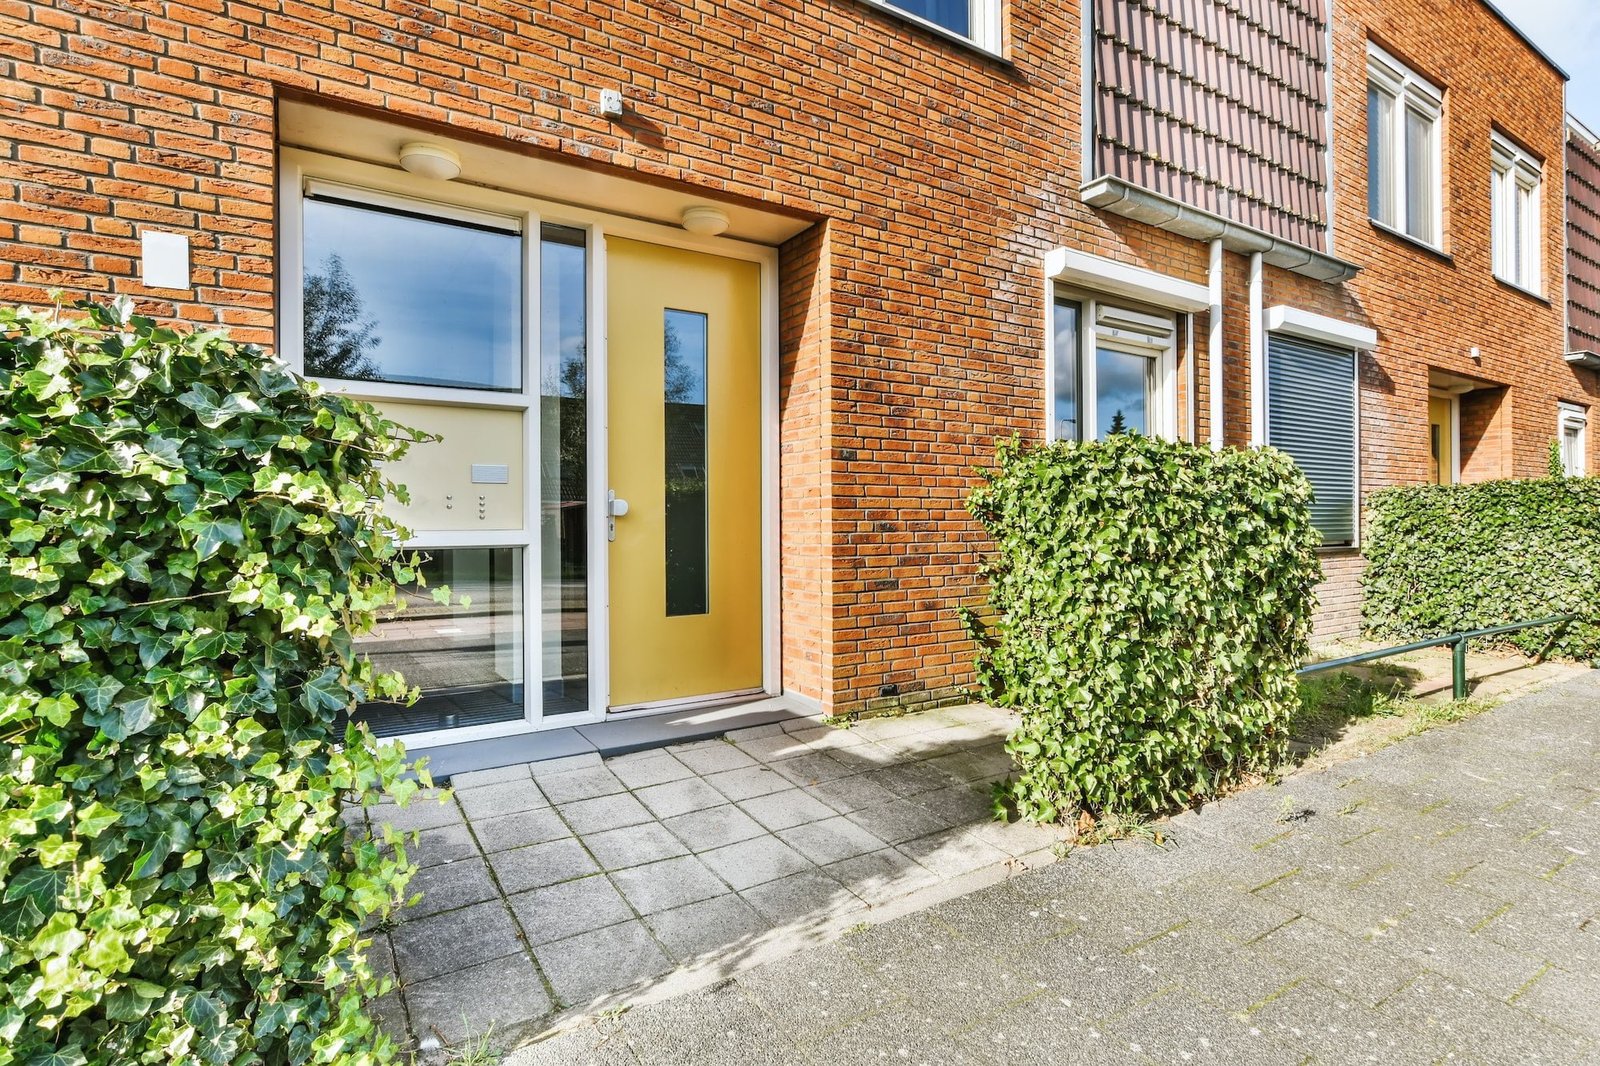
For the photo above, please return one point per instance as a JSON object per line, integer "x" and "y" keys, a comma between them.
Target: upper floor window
{"x": 1514, "y": 209}
{"x": 1404, "y": 153}
{"x": 976, "y": 20}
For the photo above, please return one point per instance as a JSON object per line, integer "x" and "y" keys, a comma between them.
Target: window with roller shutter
{"x": 1311, "y": 414}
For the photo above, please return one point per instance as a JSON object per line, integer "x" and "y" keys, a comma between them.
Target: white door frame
{"x": 297, "y": 167}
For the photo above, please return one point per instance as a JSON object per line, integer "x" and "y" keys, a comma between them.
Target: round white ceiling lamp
{"x": 430, "y": 161}
{"x": 705, "y": 221}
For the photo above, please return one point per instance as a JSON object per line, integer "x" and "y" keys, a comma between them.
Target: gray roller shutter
{"x": 1311, "y": 414}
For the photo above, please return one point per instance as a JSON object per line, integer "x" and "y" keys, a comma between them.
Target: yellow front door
{"x": 684, "y": 382}
{"x": 1441, "y": 440}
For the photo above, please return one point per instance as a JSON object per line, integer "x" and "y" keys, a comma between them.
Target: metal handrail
{"x": 1458, "y": 666}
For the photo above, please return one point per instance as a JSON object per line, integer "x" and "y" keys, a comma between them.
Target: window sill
{"x": 1522, "y": 290}
{"x": 1415, "y": 242}
{"x": 881, "y": 7}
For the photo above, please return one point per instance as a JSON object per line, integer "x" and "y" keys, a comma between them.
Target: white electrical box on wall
{"x": 164, "y": 260}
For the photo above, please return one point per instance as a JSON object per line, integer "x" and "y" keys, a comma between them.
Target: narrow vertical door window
{"x": 564, "y": 468}
{"x": 684, "y": 378}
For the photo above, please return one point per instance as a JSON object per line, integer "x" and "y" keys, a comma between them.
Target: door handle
{"x": 615, "y": 509}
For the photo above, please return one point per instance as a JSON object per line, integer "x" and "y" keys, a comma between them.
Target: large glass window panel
{"x": 1122, "y": 392}
{"x": 465, "y": 655}
{"x": 953, "y": 15}
{"x": 1420, "y": 179}
{"x": 399, "y": 296}
{"x": 1380, "y": 161}
{"x": 1067, "y": 373}
{"x": 685, "y": 339}
{"x": 563, "y": 468}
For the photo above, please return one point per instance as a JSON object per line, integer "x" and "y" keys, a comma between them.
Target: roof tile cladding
{"x": 1583, "y": 244}
{"x": 1221, "y": 104}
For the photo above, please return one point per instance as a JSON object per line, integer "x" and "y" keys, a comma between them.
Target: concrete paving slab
{"x": 783, "y": 810}
{"x": 661, "y": 886}
{"x": 590, "y": 965}
{"x": 581, "y": 905}
{"x": 541, "y": 864}
{"x": 604, "y": 813}
{"x": 648, "y": 768}
{"x": 519, "y": 830}
{"x": 447, "y": 887}
{"x": 707, "y": 928}
{"x": 453, "y": 940}
{"x": 680, "y": 797}
{"x": 755, "y": 861}
{"x": 714, "y": 827}
{"x": 502, "y": 1001}
{"x": 831, "y": 840}
{"x": 506, "y": 796}
{"x": 634, "y": 845}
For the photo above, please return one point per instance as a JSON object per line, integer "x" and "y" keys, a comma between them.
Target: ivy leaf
{"x": 210, "y": 534}
{"x": 326, "y": 692}
{"x": 30, "y": 898}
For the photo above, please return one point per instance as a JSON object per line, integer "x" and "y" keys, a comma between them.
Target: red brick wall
{"x": 912, "y": 324}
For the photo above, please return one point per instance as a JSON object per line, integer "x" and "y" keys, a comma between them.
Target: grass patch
{"x": 1369, "y": 704}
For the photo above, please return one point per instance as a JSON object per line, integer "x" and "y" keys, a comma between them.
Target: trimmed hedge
{"x": 1149, "y": 603}
{"x": 1446, "y": 558}
{"x": 191, "y": 537}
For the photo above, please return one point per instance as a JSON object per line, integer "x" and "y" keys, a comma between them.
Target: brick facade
{"x": 911, "y": 312}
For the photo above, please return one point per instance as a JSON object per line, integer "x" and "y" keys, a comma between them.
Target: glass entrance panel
{"x": 465, "y": 655}
{"x": 564, "y": 469}
{"x": 1122, "y": 391}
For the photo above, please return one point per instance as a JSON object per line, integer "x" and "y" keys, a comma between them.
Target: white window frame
{"x": 1516, "y": 178}
{"x": 1409, "y": 93}
{"x": 1117, "y": 326}
{"x": 982, "y": 15}
{"x": 1573, "y": 416}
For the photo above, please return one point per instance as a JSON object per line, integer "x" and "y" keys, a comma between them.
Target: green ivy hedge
{"x": 1446, "y": 558}
{"x": 191, "y": 539}
{"x": 1149, "y": 603}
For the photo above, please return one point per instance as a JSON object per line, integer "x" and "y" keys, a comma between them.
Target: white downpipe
{"x": 1258, "y": 357}
{"x": 1214, "y": 343}
{"x": 1193, "y": 431}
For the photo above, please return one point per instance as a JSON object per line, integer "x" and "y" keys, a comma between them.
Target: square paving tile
{"x": 646, "y": 768}
{"x": 791, "y": 807}
{"x": 881, "y": 876}
{"x": 604, "y": 812}
{"x": 680, "y": 797}
{"x": 953, "y": 852}
{"x": 704, "y": 830}
{"x": 910, "y": 779}
{"x": 670, "y": 883}
{"x": 501, "y": 797}
{"x": 504, "y": 995}
{"x": 541, "y": 864}
{"x": 748, "y": 782}
{"x": 425, "y": 811}
{"x": 454, "y": 940}
{"x": 584, "y": 783}
{"x": 899, "y": 821}
{"x": 569, "y": 908}
{"x": 444, "y": 844}
{"x": 773, "y": 747}
{"x": 519, "y": 830}
{"x": 635, "y": 845}
{"x": 592, "y": 964}
{"x": 706, "y": 927}
{"x": 814, "y": 769}
{"x": 711, "y": 756}
{"x": 852, "y": 794}
{"x": 446, "y": 887}
{"x": 831, "y": 840}
{"x": 808, "y": 895}
{"x": 750, "y": 862}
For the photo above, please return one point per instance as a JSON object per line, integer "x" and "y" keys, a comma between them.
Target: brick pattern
{"x": 1222, "y": 105}
{"x": 912, "y": 318}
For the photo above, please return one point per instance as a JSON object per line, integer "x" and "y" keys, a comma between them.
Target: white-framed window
{"x": 1312, "y": 415}
{"x": 1515, "y": 177}
{"x": 1405, "y": 113}
{"x": 1111, "y": 369}
{"x": 1572, "y": 428}
{"x": 977, "y": 21}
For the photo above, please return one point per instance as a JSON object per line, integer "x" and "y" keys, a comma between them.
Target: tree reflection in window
{"x": 339, "y": 335}
{"x": 684, "y": 387}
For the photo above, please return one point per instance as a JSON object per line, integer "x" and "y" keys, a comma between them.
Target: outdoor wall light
{"x": 430, "y": 161}
{"x": 706, "y": 221}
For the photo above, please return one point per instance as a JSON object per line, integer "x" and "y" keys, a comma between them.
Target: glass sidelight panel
{"x": 1066, "y": 370}
{"x": 564, "y": 468}
{"x": 466, "y": 655}
{"x": 392, "y": 295}
{"x": 684, "y": 373}
{"x": 1122, "y": 391}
